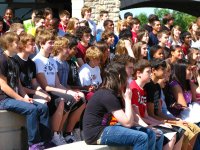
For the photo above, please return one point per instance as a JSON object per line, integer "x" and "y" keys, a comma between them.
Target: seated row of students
{"x": 40, "y": 80}
{"x": 23, "y": 82}
{"x": 107, "y": 119}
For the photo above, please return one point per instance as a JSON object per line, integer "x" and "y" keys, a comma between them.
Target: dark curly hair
{"x": 81, "y": 30}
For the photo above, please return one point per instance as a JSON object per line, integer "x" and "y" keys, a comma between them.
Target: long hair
{"x": 114, "y": 77}
{"x": 137, "y": 49}
{"x": 179, "y": 74}
{"x": 71, "y": 25}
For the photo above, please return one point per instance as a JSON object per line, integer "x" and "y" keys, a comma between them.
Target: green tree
{"x": 161, "y": 12}
{"x": 143, "y": 18}
{"x": 181, "y": 19}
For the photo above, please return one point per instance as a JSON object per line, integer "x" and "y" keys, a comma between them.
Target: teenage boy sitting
{"x": 154, "y": 102}
{"x": 14, "y": 98}
{"x": 89, "y": 73}
{"x": 142, "y": 73}
{"x": 28, "y": 69}
{"x": 63, "y": 100}
{"x": 61, "y": 52}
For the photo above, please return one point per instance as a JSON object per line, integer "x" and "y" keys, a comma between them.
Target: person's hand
{"x": 178, "y": 106}
{"x": 182, "y": 122}
{"x": 127, "y": 95}
{"x": 92, "y": 88}
{"x": 27, "y": 99}
{"x": 74, "y": 94}
{"x": 167, "y": 125}
{"x": 43, "y": 95}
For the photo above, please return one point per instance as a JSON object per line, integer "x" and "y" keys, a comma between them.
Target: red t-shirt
{"x": 62, "y": 27}
{"x": 185, "y": 49}
{"x": 138, "y": 97}
{"x": 81, "y": 51}
{"x": 134, "y": 37}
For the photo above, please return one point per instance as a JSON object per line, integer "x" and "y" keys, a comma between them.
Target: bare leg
{"x": 192, "y": 142}
{"x": 170, "y": 144}
{"x": 74, "y": 117}
{"x": 178, "y": 145}
{"x": 57, "y": 117}
{"x": 63, "y": 120}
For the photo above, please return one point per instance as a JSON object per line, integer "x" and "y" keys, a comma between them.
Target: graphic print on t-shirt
{"x": 141, "y": 99}
{"x": 106, "y": 119}
{"x": 26, "y": 79}
{"x": 49, "y": 68}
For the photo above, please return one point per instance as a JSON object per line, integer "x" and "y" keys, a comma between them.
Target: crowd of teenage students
{"x": 137, "y": 86}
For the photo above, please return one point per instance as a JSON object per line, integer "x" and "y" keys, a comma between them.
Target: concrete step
{"x": 13, "y": 135}
{"x": 81, "y": 145}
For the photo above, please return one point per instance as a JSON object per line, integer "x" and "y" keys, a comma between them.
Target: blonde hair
{"x": 44, "y": 36}
{"x": 59, "y": 44}
{"x": 121, "y": 48}
{"x": 24, "y": 39}
{"x": 194, "y": 37}
{"x": 15, "y": 26}
{"x": 92, "y": 53}
{"x": 84, "y": 9}
{"x": 8, "y": 38}
{"x": 71, "y": 25}
{"x": 137, "y": 50}
{"x": 120, "y": 23}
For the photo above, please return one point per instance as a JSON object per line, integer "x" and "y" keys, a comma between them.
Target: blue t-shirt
{"x": 153, "y": 40}
{"x": 63, "y": 71}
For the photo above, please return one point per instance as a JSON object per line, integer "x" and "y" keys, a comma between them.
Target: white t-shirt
{"x": 92, "y": 26}
{"x": 100, "y": 27}
{"x": 47, "y": 66}
{"x": 89, "y": 76}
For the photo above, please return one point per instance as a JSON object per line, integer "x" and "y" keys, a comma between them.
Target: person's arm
{"x": 126, "y": 117}
{"x": 128, "y": 46}
{"x": 150, "y": 120}
{"x": 80, "y": 61}
{"x": 67, "y": 91}
{"x": 150, "y": 111}
{"x": 178, "y": 95}
{"x": 137, "y": 118}
{"x": 160, "y": 114}
{"x": 43, "y": 83}
{"x": 10, "y": 92}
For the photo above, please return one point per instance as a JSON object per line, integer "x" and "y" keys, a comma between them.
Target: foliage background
{"x": 181, "y": 19}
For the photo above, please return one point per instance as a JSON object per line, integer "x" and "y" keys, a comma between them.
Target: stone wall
{"x": 112, "y": 6}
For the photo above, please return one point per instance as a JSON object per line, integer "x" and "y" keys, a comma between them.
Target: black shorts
{"x": 70, "y": 103}
{"x": 179, "y": 132}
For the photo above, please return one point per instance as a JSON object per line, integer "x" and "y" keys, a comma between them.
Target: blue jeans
{"x": 159, "y": 142}
{"x": 138, "y": 137}
{"x": 37, "y": 118}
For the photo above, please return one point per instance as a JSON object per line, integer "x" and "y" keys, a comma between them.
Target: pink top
{"x": 187, "y": 94}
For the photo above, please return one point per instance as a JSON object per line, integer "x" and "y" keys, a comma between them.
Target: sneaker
{"x": 58, "y": 139}
{"x": 70, "y": 138}
{"x": 77, "y": 134}
{"x": 38, "y": 146}
{"x": 49, "y": 144}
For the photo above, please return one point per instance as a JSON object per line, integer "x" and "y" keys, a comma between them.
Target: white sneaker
{"x": 77, "y": 134}
{"x": 58, "y": 139}
{"x": 70, "y": 138}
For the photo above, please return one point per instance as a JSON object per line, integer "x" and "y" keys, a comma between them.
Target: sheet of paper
{"x": 169, "y": 135}
{"x": 40, "y": 101}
